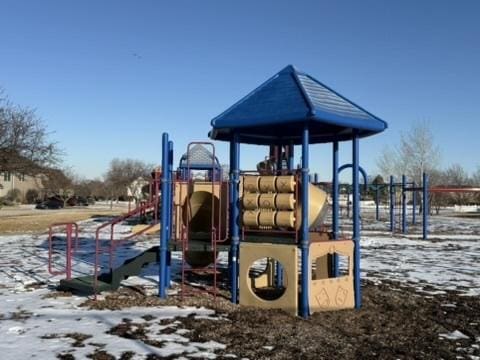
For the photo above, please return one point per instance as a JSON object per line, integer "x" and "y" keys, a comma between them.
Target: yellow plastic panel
{"x": 287, "y": 255}
{"x": 267, "y": 201}
{"x": 331, "y": 293}
{"x": 250, "y": 201}
{"x": 285, "y": 202}
{"x": 250, "y": 217}
{"x": 285, "y": 219}
{"x": 285, "y": 184}
{"x": 266, "y": 218}
{"x": 267, "y": 184}
{"x": 250, "y": 183}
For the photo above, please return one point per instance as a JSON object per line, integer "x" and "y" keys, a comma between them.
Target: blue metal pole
{"x": 356, "y": 220}
{"x": 279, "y": 158}
{"x": 278, "y": 265}
{"x": 392, "y": 204}
{"x": 404, "y": 204}
{"x": 291, "y": 155}
{"x": 335, "y": 207}
{"x": 414, "y": 205}
{"x": 305, "y": 243}
{"x": 348, "y": 202}
{"x": 377, "y": 205}
{"x": 164, "y": 219}
{"x": 425, "y": 206}
{"x": 235, "y": 212}
{"x": 169, "y": 213}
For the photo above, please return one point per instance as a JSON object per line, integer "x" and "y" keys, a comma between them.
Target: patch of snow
{"x": 454, "y": 335}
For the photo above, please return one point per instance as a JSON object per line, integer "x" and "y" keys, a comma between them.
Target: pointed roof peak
{"x": 272, "y": 112}
{"x": 288, "y": 69}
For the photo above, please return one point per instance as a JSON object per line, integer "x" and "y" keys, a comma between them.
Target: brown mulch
{"x": 395, "y": 322}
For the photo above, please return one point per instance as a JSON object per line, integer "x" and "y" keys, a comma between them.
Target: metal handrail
{"x": 68, "y": 253}
{"x": 117, "y": 220}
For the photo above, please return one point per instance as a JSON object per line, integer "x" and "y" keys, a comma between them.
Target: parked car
{"x": 50, "y": 204}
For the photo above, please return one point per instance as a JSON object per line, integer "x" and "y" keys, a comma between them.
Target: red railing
{"x": 68, "y": 248}
{"x": 72, "y": 231}
{"x": 140, "y": 210}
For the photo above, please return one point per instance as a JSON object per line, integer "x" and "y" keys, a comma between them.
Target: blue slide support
{"x": 234, "y": 212}
{"x": 304, "y": 308}
{"x": 164, "y": 219}
{"x": 169, "y": 214}
{"x": 404, "y": 204}
{"x": 278, "y": 265}
{"x": 392, "y": 204}
{"x": 291, "y": 155}
{"x": 414, "y": 204}
{"x": 426, "y": 209}
{"x": 356, "y": 221}
{"x": 335, "y": 204}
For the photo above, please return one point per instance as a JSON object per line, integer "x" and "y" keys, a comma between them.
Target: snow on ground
{"x": 35, "y": 326}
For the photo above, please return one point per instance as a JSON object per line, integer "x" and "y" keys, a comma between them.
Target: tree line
{"x": 26, "y": 148}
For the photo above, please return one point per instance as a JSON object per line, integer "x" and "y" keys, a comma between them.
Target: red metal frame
{"x": 142, "y": 210}
{"x": 68, "y": 252}
{"x": 441, "y": 189}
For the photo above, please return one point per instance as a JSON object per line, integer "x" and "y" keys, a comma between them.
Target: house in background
{"x": 23, "y": 183}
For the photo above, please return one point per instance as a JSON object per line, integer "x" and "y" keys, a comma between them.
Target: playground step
{"x": 197, "y": 245}
{"x": 111, "y": 281}
{"x": 84, "y": 285}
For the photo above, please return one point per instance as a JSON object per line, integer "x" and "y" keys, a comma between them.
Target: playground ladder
{"x": 215, "y": 234}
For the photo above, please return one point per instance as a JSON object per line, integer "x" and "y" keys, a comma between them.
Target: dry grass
{"x": 32, "y": 221}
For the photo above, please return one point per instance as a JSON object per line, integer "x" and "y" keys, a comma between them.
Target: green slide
{"x": 111, "y": 280}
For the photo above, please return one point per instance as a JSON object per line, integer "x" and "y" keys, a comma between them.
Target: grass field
{"x": 28, "y": 220}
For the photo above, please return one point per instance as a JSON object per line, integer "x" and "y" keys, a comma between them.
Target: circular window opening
{"x": 267, "y": 279}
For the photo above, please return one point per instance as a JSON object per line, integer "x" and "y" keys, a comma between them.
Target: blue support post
{"x": 356, "y": 221}
{"x": 164, "y": 219}
{"x": 278, "y": 265}
{"x": 305, "y": 243}
{"x": 335, "y": 205}
{"x": 392, "y": 204}
{"x": 291, "y": 155}
{"x": 404, "y": 204}
{"x": 234, "y": 212}
{"x": 414, "y": 204}
{"x": 425, "y": 206}
{"x": 169, "y": 214}
{"x": 377, "y": 205}
{"x": 348, "y": 202}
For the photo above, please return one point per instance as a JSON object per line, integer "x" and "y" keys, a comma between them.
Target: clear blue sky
{"x": 110, "y": 76}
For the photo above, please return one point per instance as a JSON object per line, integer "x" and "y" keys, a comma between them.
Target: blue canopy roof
{"x": 274, "y": 113}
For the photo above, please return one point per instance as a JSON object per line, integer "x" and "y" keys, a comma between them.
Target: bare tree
{"x": 122, "y": 172}
{"x": 25, "y": 146}
{"x": 58, "y": 183}
{"x": 415, "y": 154}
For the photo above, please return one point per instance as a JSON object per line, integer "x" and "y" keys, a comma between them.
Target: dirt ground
{"x": 395, "y": 322}
{"x": 21, "y": 220}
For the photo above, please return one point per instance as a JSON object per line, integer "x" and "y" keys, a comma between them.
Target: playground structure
{"x": 272, "y": 214}
{"x": 399, "y": 214}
